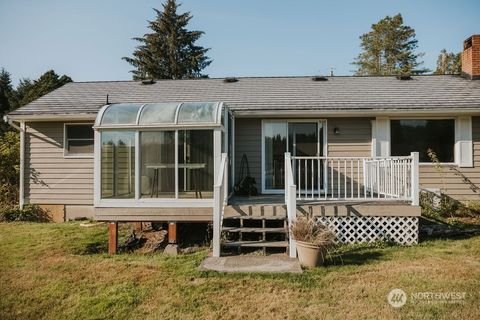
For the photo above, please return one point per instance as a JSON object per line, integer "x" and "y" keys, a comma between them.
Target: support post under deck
{"x": 112, "y": 237}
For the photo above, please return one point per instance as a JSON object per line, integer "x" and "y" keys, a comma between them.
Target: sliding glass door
{"x": 300, "y": 138}
{"x": 275, "y": 146}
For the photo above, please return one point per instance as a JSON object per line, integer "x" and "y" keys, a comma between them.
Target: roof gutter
{"x": 53, "y": 117}
{"x": 10, "y": 122}
{"x": 276, "y": 113}
{"x": 281, "y": 113}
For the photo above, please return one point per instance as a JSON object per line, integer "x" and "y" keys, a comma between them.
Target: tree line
{"x": 170, "y": 51}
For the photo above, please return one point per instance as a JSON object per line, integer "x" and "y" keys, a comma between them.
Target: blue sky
{"x": 86, "y": 39}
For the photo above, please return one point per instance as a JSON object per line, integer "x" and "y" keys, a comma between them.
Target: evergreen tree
{"x": 448, "y": 63}
{"x": 29, "y": 90}
{"x": 6, "y": 92}
{"x": 169, "y": 52}
{"x": 388, "y": 49}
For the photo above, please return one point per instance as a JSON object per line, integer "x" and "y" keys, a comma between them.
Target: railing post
{"x": 415, "y": 179}
{"x": 218, "y": 204}
{"x": 292, "y": 214}
{"x": 225, "y": 177}
{"x": 216, "y": 221}
{"x": 286, "y": 174}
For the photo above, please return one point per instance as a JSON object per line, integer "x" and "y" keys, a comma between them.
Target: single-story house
{"x": 350, "y": 151}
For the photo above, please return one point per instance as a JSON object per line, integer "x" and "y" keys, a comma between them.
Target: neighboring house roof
{"x": 251, "y": 94}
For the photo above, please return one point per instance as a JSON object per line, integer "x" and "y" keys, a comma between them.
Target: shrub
{"x": 470, "y": 209}
{"x": 28, "y": 213}
{"x": 308, "y": 230}
{"x": 9, "y": 168}
{"x": 438, "y": 206}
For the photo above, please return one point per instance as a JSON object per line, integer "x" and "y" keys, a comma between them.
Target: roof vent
{"x": 148, "y": 81}
{"x": 230, "y": 79}
{"x": 319, "y": 78}
{"x": 404, "y": 77}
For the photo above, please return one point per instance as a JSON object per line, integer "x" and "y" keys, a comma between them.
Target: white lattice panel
{"x": 402, "y": 230}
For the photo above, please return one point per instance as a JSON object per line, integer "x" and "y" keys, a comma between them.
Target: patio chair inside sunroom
{"x": 148, "y": 154}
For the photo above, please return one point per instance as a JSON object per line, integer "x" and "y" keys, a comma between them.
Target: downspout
{"x": 21, "y": 188}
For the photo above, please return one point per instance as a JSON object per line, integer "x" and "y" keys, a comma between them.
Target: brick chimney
{"x": 471, "y": 58}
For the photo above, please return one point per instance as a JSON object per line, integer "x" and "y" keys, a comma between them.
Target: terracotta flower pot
{"x": 310, "y": 255}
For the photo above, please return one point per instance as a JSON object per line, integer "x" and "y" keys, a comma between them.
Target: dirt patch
{"x": 147, "y": 241}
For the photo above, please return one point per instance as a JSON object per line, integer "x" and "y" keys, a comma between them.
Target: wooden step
{"x": 256, "y": 218}
{"x": 256, "y": 210}
{"x": 256, "y": 244}
{"x": 255, "y": 230}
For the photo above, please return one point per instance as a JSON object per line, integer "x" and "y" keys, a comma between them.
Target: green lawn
{"x": 61, "y": 271}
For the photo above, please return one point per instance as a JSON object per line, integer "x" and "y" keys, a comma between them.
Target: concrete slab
{"x": 244, "y": 263}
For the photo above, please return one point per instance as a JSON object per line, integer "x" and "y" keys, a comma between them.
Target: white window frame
{"x": 67, "y": 155}
{"x": 264, "y": 121}
{"x": 457, "y": 138}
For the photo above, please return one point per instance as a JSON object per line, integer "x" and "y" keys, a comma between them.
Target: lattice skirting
{"x": 402, "y": 230}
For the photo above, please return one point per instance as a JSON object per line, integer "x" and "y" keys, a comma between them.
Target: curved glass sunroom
{"x": 161, "y": 114}
{"x": 159, "y": 152}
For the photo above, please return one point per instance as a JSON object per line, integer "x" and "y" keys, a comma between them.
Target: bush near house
{"x": 441, "y": 206}
{"x": 29, "y": 212}
{"x": 9, "y": 168}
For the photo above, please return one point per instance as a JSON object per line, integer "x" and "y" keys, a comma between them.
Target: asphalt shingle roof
{"x": 268, "y": 93}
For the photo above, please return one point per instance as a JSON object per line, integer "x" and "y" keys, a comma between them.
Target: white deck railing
{"x": 354, "y": 178}
{"x": 219, "y": 201}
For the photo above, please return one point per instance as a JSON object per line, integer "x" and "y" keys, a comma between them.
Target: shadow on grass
{"x": 452, "y": 228}
{"x": 355, "y": 258}
{"x": 96, "y": 247}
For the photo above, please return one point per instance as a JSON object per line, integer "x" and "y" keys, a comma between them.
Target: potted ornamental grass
{"x": 313, "y": 241}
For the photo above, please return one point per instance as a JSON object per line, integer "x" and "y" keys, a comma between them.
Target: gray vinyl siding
{"x": 353, "y": 140}
{"x": 50, "y": 178}
{"x": 248, "y": 140}
{"x": 457, "y": 184}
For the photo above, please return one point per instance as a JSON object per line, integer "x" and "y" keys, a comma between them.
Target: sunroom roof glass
{"x": 197, "y": 112}
{"x": 158, "y": 113}
{"x": 121, "y": 113}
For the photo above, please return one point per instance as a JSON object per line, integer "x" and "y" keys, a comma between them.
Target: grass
{"x": 61, "y": 271}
